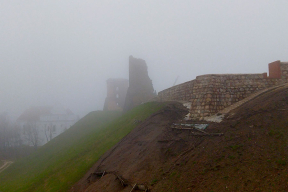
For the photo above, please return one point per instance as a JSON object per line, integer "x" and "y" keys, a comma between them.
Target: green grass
{"x": 1, "y": 163}
{"x": 281, "y": 162}
{"x": 153, "y": 182}
{"x": 235, "y": 147}
{"x": 63, "y": 161}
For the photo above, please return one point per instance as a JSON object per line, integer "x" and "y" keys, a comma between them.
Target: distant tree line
{"x": 11, "y": 143}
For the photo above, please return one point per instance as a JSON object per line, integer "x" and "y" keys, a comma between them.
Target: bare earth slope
{"x": 252, "y": 155}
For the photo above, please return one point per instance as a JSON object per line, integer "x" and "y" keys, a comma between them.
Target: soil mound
{"x": 250, "y": 155}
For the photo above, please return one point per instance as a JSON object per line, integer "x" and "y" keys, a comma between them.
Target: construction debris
{"x": 98, "y": 175}
{"x": 197, "y": 127}
{"x": 181, "y": 125}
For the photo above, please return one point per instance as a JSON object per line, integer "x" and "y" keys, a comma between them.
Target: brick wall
{"x": 116, "y": 94}
{"x": 209, "y": 94}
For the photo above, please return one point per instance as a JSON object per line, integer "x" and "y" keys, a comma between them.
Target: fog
{"x": 62, "y": 52}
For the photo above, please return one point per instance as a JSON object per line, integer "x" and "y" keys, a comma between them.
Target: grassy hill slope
{"x": 64, "y": 160}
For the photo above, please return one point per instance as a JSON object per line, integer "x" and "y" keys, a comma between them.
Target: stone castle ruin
{"x": 140, "y": 85}
{"x": 208, "y": 94}
{"x": 123, "y": 94}
{"x": 116, "y": 94}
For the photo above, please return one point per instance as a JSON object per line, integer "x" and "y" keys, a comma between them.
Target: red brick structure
{"x": 116, "y": 94}
{"x": 275, "y": 70}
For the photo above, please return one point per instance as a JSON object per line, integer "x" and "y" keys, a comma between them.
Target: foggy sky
{"x": 62, "y": 52}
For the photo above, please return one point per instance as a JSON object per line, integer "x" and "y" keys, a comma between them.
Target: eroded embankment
{"x": 251, "y": 155}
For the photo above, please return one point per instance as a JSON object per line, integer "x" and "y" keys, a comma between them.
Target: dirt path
{"x": 5, "y": 165}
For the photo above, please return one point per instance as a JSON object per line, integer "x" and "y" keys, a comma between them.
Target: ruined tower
{"x": 140, "y": 85}
{"x": 116, "y": 94}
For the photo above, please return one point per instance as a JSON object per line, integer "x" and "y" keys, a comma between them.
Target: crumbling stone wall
{"x": 284, "y": 70}
{"x": 116, "y": 94}
{"x": 209, "y": 94}
{"x": 140, "y": 85}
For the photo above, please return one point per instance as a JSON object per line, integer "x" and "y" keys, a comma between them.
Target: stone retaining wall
{"x": 209, "y": 94}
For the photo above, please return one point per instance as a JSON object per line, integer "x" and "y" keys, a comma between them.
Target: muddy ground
{"x": 251, "y": 155}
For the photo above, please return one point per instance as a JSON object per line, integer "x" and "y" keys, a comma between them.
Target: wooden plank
{"x": 210, "y": 134}
{"x": 183, "y": 128}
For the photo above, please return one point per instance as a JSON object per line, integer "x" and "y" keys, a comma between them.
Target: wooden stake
{"x": 133, "y": 187}
{"x": 103, "y": 174}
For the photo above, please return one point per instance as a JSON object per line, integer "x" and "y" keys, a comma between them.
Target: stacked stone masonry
{"x": 209, "y": 94}
{"x": 140, "y": 85}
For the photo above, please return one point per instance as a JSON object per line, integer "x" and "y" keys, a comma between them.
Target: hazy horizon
{"x": 62, "y": 52}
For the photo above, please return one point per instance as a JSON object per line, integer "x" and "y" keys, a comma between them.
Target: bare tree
{"x": 48, "y": 130}
{"x": 10, "y": 138}
{"x": 31, "y": 132}
{"x": 3, "y": 131}
{"x": 13, "y": 136}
